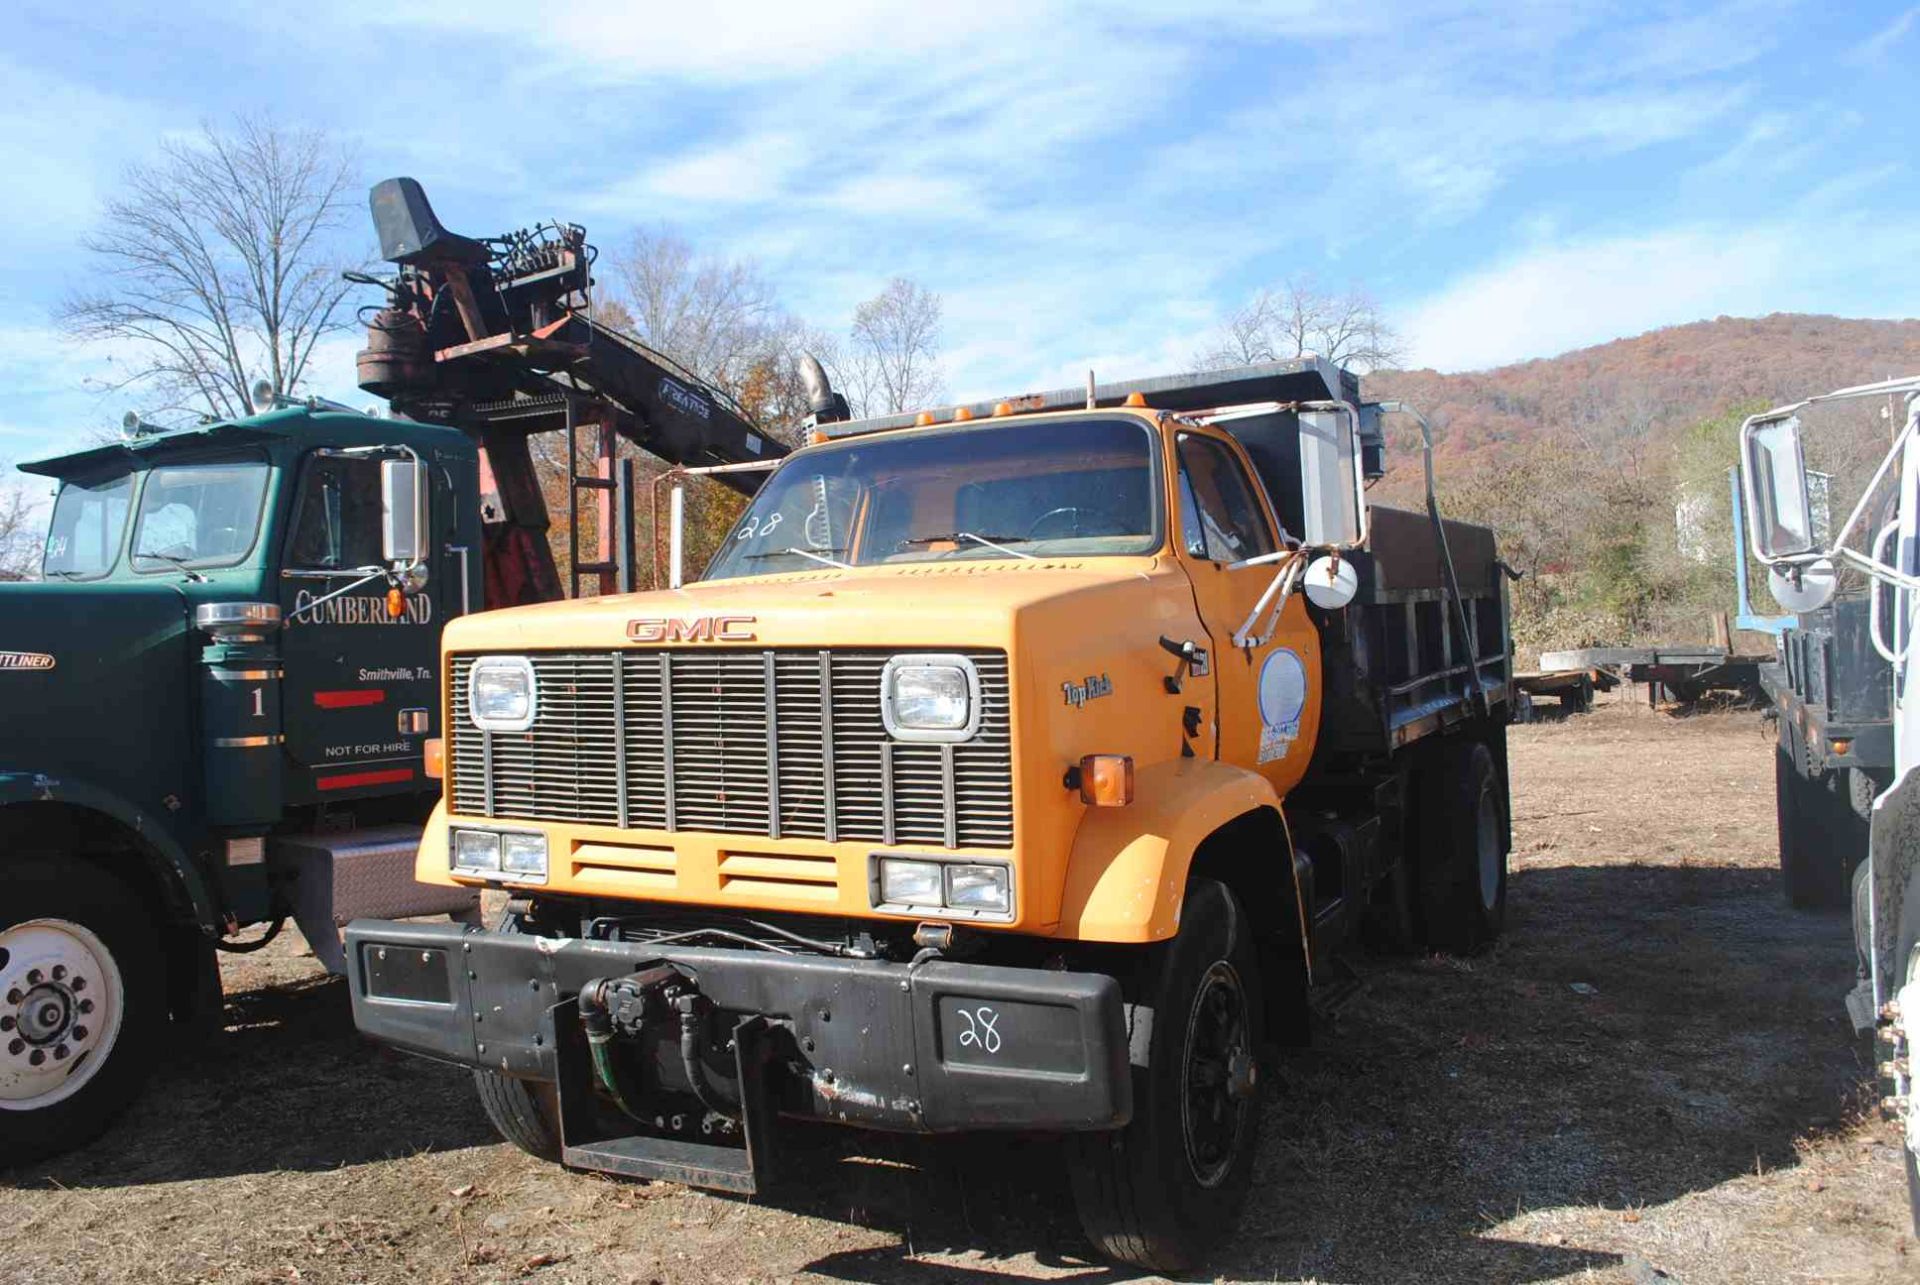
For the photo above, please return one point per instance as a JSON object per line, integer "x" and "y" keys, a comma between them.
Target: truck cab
{"x": 1017, "y": 766}
{"x": 213, "y": 712}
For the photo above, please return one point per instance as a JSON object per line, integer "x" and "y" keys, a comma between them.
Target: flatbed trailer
{"x": 1685, "y": 673}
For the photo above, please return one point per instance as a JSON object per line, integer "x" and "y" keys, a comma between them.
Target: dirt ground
{"x": 1650, "y": 1079}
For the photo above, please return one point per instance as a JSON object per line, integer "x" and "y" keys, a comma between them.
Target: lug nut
{"x": 35, "y": 977}
{"x": 79, "y": 1033}
{"x": 38, "y": 1057}
{"x": 16, "y": 1047}
{"x": 60, "y": 1053}
{"x": 86, "y": 1006}
{"x": 6, "y": 1023}
{"x": 13, "y": 997}
{"x": 79, "y": 984}
{"x": 59, "y": 972}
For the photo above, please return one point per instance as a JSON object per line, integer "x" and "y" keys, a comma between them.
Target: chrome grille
{"x": 783, "y": 743}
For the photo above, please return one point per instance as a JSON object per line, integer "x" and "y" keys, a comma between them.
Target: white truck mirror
{"x": 1776, "y": 470}
{"x": 1332, "y": 486}
{"x": 403, "y": 511}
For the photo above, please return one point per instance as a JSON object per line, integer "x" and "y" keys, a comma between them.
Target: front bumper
{"x": 938, "y": 1047}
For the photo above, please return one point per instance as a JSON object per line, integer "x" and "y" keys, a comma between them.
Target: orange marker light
{"x": 923, "y": 419}
{"x": 436, "y": 765}
{"x": 1841, "y": 745}
{"x": 1002, "y": 408}
{"x": 1106, "y": 780}
{"x": 396, "y": 604}
{"x": 816, "y": 437}
{"x": 961, "y": 412}
{"x": 1136, "y": 398}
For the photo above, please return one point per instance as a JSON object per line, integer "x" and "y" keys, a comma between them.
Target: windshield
{"x": 83, "y": 540}
{"x": 198, "y": 515}
{"x": 998, "y": 490}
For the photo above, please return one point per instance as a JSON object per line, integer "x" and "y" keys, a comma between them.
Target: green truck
{"x": 212, "y": 717}
{"x": 218, "y": 705}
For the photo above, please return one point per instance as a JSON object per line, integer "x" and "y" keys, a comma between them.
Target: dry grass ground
{"x": 1650, "y": 1078}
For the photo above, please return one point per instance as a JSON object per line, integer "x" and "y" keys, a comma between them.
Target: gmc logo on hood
{"x": 672, "y": 629}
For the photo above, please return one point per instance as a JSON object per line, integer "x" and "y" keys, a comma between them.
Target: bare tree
{"x": 1297, "y": 318}
{"x": 220, "y": 266}
{"x": 20, "y": 527}
{"x": 895, "y": 354}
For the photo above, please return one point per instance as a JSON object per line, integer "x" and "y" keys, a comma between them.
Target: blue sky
{"x": 1085, "y": 184}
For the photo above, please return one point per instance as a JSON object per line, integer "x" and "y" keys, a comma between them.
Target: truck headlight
{"x": 502, "y": 695}
{"x": 489, "y": 854}
{"x": 947, "y": 889}
{"x": 910, "y": 883}
{"x": 476, "y": 852}
{"x": 981, "y": 888}
{"x": 524, "y": 856}
{"x": 933, "y": 697}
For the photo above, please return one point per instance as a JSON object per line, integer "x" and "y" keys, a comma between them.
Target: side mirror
{"x": 403, "y": 512}
{"x": 1776, "y": 471}
{"x": 1332, "y": 482}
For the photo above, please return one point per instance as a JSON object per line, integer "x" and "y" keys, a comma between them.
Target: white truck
{"x": 1880, "y": 539}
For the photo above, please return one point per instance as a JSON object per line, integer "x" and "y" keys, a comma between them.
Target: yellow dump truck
{"x": 1015, "y": 767}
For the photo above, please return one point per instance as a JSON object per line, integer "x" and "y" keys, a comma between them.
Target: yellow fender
{"x": 1128, "y": 873}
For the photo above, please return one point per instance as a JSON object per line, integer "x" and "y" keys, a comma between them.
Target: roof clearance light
{"x": 923, "y": 419}
{"x": 1002, "y": 408}
{"x": 961, "y": 412}
{"x": 816, "y": 437}
{"x": 1136, "y": 398}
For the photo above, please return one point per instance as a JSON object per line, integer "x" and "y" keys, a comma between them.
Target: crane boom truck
{"x": 1881, "y": 539}
{"x": 214, "y": 705}
{"x": 1019, "y": 766}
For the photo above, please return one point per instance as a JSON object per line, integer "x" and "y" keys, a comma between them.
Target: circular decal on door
{"x": 1283, "y": 695}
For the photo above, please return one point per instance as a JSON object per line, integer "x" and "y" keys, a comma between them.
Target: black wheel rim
{"x": 1217, "y": 1076}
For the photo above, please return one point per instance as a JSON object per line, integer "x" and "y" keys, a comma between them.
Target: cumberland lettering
{"x": 359, "y": 609}
{"x": 672, "y": 629}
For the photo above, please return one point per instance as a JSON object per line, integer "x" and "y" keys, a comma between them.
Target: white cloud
{"x": 1882, "y": 42}
{"x": 1555, "y": 298}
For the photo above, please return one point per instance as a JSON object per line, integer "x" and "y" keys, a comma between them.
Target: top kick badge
{"x": 1078, "y": 694}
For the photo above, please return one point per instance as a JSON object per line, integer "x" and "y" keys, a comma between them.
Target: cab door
{"x": 1268, "y": 695}
{"x": 360, "y": 686}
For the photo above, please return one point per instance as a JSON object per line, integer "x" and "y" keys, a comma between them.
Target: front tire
{"x": 524, "y": 1112}
{"x": 1161, "y": 1192}
{"x": 82, "y": 1004}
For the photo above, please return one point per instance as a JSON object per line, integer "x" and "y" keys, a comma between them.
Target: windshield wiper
{"x": 802, "y": 553}
{"x": 179, "y": 562}
{"x": 990, "y": 541}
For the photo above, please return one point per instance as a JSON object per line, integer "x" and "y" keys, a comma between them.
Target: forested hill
{"x": 1605, "y": 404}
{"x": 1580, "y": 461}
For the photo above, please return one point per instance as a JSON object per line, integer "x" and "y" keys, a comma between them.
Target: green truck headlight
{"x": 933, "y": 697}
{"x": 476, "y": 852}
{"x": 982, "y": 888}
{"x": 911, "y": 883}
{"x": 502, "y": 695}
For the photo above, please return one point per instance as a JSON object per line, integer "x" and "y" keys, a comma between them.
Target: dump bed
{"x": 1397, "y": 660}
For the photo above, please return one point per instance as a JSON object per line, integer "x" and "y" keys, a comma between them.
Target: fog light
{"x": 982, "y": 888}
{"x": 910, "y": 883}
{"x": 476, "y": 852}
{"x": 524, "y": 857}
